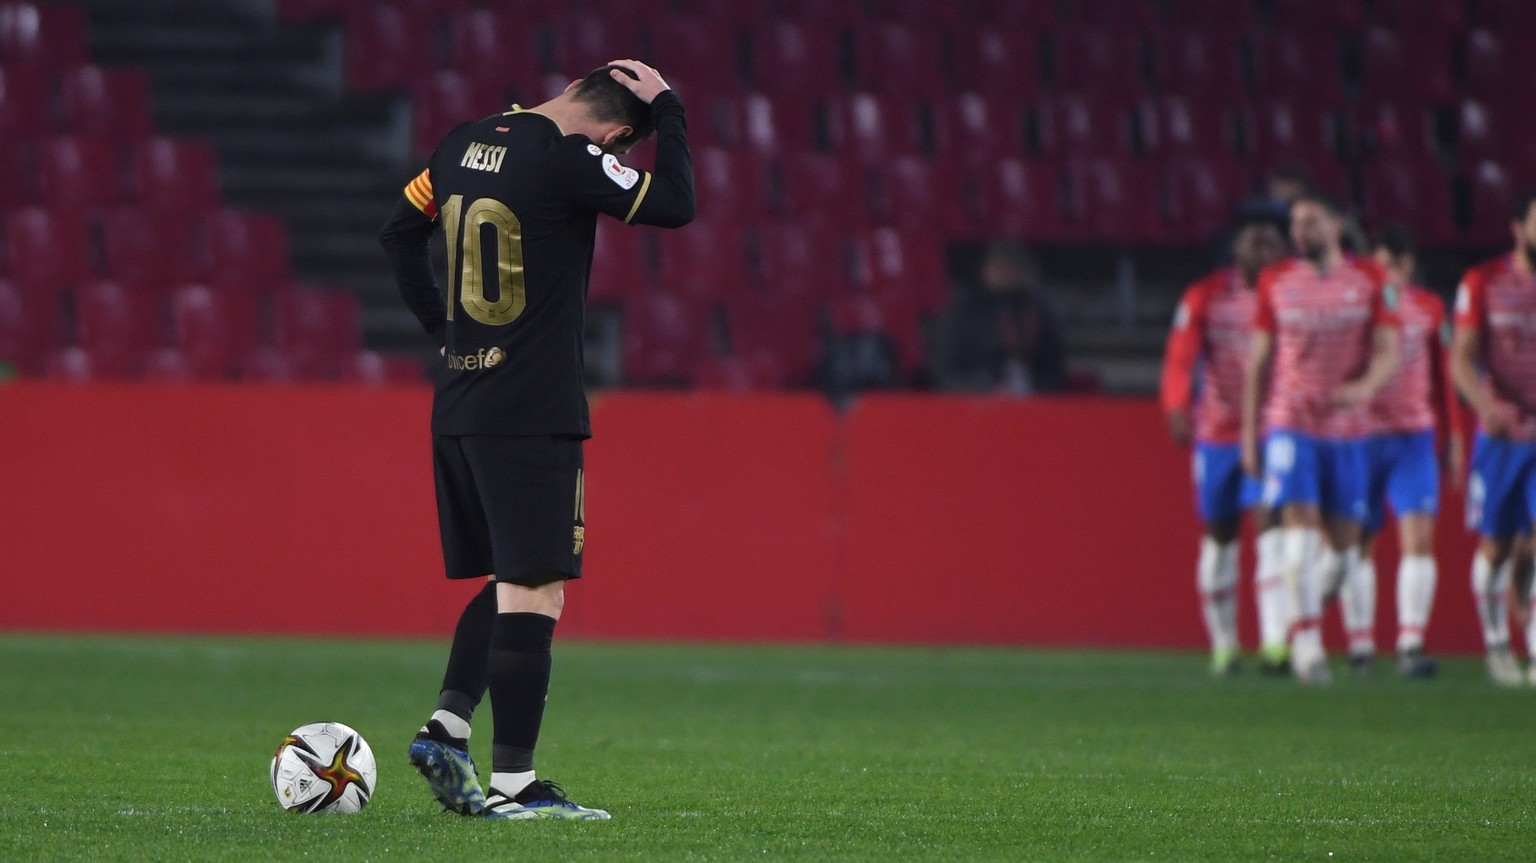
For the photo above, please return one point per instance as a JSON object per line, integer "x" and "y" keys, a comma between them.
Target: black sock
{"x": 464, "y": 680}
{"x": 519, "y": 678}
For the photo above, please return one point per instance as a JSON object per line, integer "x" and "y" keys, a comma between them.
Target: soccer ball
{"x": 324, "y": 767}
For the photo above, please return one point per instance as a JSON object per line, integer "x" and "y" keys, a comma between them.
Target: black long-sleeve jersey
{"x": 518, "y": 203}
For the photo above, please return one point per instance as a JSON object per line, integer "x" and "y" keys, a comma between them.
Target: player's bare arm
{"x": 1386, "y": 355}
{"x": 1255, "y": 376}
{"x": 1491, "y": 411}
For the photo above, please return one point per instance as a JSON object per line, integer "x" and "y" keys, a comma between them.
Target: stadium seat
{"x": 583, "y": 41}
{"x": 977, "y": 129}
{"x": 1414, "y": 191}
{"x": 1390, "y": 127}
{"x": 1298, "y": 66}
{"x": 1490, "y": 196}
{"x": 1394, "y": 65}
{"x": 802, "y": 258}
{"x": 71, "y": 365}
{"x": 79, "y": 172}
{"x": 868, "y": 128}
{"x": 1086, "y": 59}
{"x": 1299, "y": 131}
{"x": 1216, "y": 16}
{"x": 29, "y": 328}
{"x": 16, "y": 175}
{"x": 212, "y": 330}
{"x": 913, "y": 192}
{"x": 730, "y": 185}
{"x": 387, "y": 45}
{"x": 768, "y": 127}
{"x": 621, "y": 262}
{"x": 705, "y": 55}
{"x": 1125, "y": 15}
{"x": 710, "y": 262}
{"x": 761, "y": 370}
{"x": 247, "y": 248}
{"x": 864, "y": 315}
{"x": 106, "y": 103}
{"x": 1422, "y": 16}
{"x": 664, "y": 337}
{"x": 23, "y": 102}
{"x": 1019, "y": 14}
{"x": 787, "y": 331}
{"x": 1487, "y": 60}
{"x": 1514, "y": 17}
{"x": 1002, "y": 63}
{"x": 174, "y": 176}
{"x": 47, "y": 251}
{"x": 118, "y": 327}
{"x": 1021, "y": 199}
{"x": 1073, "y": 124}
{"x": 1112, "y": 201}
{"x": 824, "y": 13}
{"x": 376, "y": 370}
{"x": 443, "y": 100}
{"x": 1202, "y": 64}
{"x": 883, "y": 51}
{"x": 826, "y": 186}
{"x": 1199, "y": 194}
{"x": 150, "y": 249}
{"x": 905, "y": 267}
{"x": 315, "y": 329}
{"x": 793, "y": 60}
{"x": 1182, "y": 125}
{"x": 496, "y": 50}
{"x": 42, "y": 36}
{"x": 1328, "y": 16}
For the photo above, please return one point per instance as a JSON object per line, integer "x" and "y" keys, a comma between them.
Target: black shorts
{"x": 510, "y": 506}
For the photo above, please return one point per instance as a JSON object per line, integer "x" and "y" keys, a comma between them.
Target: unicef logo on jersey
{"x": 477, "y": 361}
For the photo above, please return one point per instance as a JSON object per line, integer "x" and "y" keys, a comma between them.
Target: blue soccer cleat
{"x": 539, "y": 800}
{"x": 450, "y": 773}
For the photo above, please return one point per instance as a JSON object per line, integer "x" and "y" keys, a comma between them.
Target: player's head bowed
{"x": 610, "y": 102}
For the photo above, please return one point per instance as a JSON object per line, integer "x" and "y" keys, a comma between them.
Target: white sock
{"x": 1303, "y": 578}
{"x": 453, "y": 723}
{"x": 1357, "y": 603}
{"x": 1488, "y": 587}
{"x": 1416, "y": 576}
{"x": 1332, "y": 570}
{"x": 1216, "y": 578}
{"x": 1269, "y": 587}
{"x": 511, "y": 784}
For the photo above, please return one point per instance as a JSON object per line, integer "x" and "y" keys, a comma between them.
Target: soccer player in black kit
{"x": 517, "y": 196}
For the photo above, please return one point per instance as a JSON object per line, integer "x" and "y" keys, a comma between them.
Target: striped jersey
{"x": 1498, "y": 300}
{"x": 1322, "y": 324}
{"x": 1207, "y": 352}
{"x": 1415, "y": 400}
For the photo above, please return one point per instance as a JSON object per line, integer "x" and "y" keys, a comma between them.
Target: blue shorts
{"x": 1501, "y": 488}
{"x": 1322, "y": 472}
{"x": 1404, "y": 473}
{"x": 1222, "y": 490}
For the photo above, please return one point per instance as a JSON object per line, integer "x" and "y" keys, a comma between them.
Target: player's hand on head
{"x": 648, "y": 84}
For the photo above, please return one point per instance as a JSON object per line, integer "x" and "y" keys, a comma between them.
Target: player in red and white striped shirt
{"x": 1325, "y": 341}
{"x": 1493, "y": 360}
{"x": 1404, "y": 468}
{"x": 1202, "y": 396}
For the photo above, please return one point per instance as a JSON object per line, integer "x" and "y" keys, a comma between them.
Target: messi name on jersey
{"x": 483, "y": 157}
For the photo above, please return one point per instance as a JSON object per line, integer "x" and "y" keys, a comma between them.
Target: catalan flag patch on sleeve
{"x": 419, "y": 193}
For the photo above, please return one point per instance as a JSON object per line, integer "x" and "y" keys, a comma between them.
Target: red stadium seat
{"x": 1394, "y": 65}
{"x": 23, "y": 102}
{"x": 762, "y": 370}
{"x": 980, "y": 129}
{"x": 584, "y": 41}
{"x": 1299, "y": 66}
{"x": 1514, "y": 17}
{"x": 1022, "y": 199}
{"x": 1488, "y": 58}
{"x": 47, "y": 251}
{"x": 664, "y": 337}
{"x": 71, "y": 365}
{"x": 1422, "y": 16}
{"x": 1199, "y": 196}
{"x": 896, "y": 320}
{"x": 908, "y": 266}
{"x": 1281, "y": 131}
{"x": 1080, "y": 123}
{"x": 703, "y": 54}
{"x": 824, "y": 186}
{"x": 118, "y": 327}
{"x": 883, "y": 52}
{"x": 1414, "y": 191}
{"x": 1002, "y": 63}
{"x": 1112, "y": 201}
{"x": 925, "y": 14}
{"x": 869, "y": 128}
{"x": 1491, "y": 195}
{"x": 443, "y": 100}
{"x": 1504, "y": 133}
{"x": 1187, "y": 126}
{"x": 1030, "y": 14}
{"x": 316, "y": 329}
{"x": 1222, "y": 16}
{"x": 247, "y": 248}
{"x": 498, "y": 51}
{"x": 710, "y": 262}
{"x": 919, "y": 193}
{"x": 1202, "y": 64}
{"x": 107, "y": 103}
{"x": 730, "y": 185}
{"x": 16, "y": 175}
{"x": 374, "y": 369}
{"x": 792, "y": 61}
{"x": 79, "y": 172}
{"x": 1330, "y": 16}
{"x": 1131, "y": 15}
{"x": 621, "y": 262}
{"x": 42, "y": 36}
{"x": 29, "y": 328}
{"x": 173, "y": 176}
{"x": 387, "y": 45}
{"x": 1087, "y": 59}
{"x": 153, "y": 250}
{"x": 1390, "y": 127}
{"x": 772, "y": 326}
{"x": 771, "y": 127}
{"x": 802, "y": 259}
{"x": 212, "y": 330}
{"x": 825, "y": 13}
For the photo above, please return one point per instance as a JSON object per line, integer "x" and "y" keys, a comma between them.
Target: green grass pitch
{"x": 157, "y": 748}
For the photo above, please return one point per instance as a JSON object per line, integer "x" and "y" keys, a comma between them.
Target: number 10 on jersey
{"x": 467, "y": 280}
